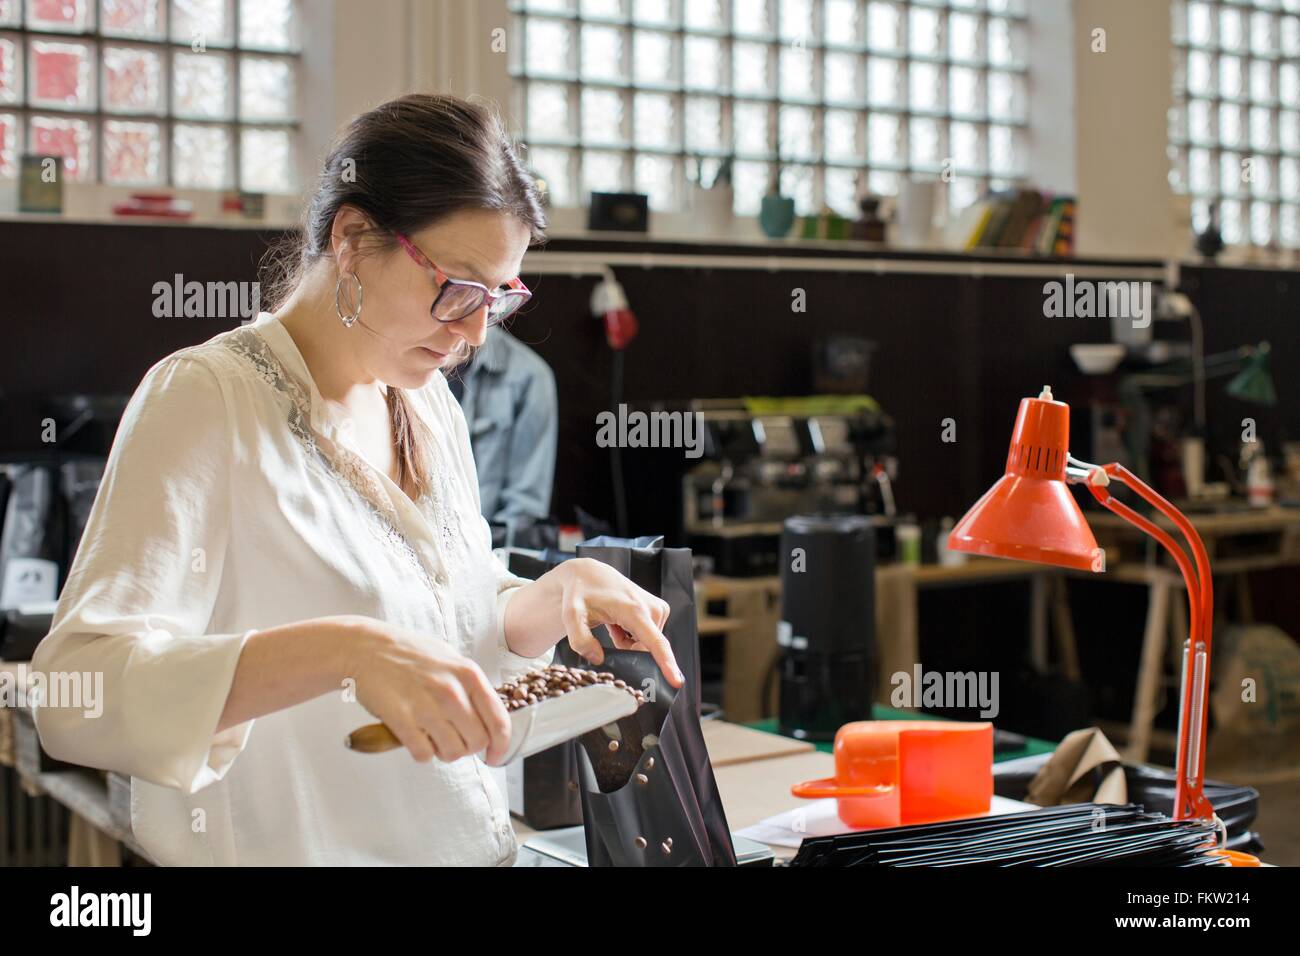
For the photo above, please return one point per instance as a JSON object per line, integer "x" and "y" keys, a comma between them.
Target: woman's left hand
{"x": 589, "y": 594}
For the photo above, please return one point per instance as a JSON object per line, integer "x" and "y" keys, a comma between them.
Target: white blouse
{"x": 233, "y": 500}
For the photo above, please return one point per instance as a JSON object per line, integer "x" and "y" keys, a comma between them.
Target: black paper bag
{"x": 32, "y": 527}
{"x": 649, "y": 797}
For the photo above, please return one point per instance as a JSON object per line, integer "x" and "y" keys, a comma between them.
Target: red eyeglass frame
{"x": 516, "y": 288}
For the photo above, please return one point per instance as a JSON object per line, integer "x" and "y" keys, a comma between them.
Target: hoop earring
{"x": 350, "y": 319}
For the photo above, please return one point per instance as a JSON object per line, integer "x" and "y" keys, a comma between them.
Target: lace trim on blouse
{"x": 345, "y": 466}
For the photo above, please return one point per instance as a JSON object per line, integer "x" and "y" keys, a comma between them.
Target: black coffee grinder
{"x": 827, "y": 631}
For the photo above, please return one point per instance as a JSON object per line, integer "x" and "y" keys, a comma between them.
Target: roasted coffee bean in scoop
{"x": 556, "y": 680}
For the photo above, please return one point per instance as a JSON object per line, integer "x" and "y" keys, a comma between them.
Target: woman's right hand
{"x": 434, "y": 699}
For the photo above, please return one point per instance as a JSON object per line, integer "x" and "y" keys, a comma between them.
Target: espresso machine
{"x": 767, "y": 459}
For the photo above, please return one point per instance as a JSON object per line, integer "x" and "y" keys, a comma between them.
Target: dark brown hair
{"x": 406, "y": 165}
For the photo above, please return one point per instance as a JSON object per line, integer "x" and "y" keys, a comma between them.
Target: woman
{"x": 288, "y": 540}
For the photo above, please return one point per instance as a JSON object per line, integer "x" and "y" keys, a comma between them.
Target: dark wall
{"x": 77, "y": 307}
{"x": 954, "y": 346}
{"x": 949, "y": 346}
{"x": 1248, "y": 306}
{"x": 77, "y": 316}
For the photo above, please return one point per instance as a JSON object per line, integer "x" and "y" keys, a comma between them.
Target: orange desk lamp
{"x": 1031, "y": 515}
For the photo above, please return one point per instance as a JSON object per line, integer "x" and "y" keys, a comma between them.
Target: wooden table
{"x": 753, "y": 605}
{"x": 1237, "y": 542}
{"x": 751, "y": 651}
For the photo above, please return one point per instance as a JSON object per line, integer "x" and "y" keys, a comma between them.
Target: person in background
{"x": 507, "y": 392}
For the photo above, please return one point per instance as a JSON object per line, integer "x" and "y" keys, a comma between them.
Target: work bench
{"x": 755, "y": 767}
{"x": 1239, "y": 542}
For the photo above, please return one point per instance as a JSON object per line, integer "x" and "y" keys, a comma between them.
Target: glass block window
{"x": 829, "y": 98}
{"x": 187, "y": 93}
{"x": 1235, "y": 128}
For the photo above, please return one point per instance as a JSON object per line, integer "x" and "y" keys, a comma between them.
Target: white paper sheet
{"x": 820, "y": 818}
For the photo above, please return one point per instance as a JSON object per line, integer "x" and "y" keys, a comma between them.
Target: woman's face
{"x": 397, "y": 339}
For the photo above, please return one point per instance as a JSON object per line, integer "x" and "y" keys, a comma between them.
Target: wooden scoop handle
{"x": 372, "y": 739}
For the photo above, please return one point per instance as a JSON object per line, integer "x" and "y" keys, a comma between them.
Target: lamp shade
{"x": 1254, "y": 383}
{"x": 1030, "y": 514}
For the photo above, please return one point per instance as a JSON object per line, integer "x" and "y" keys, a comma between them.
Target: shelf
{"x": 53, "y": 219}
{"x": 590, "y": 253}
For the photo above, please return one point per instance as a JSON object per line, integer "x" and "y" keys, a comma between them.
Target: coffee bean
{"x": 556, "y": 680}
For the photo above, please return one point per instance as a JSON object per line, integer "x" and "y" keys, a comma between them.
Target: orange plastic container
{"x": 892, "y": 773}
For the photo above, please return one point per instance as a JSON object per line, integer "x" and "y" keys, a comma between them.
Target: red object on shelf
{"x": 1030, "y": 514}
{"x": 156, "y": 205}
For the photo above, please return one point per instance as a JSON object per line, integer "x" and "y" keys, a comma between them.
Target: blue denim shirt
{"x": 511, "y": 408}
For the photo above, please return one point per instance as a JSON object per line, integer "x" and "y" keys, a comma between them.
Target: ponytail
{"x": 411, "y": 438}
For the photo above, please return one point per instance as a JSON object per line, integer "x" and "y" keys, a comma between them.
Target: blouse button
{"x": 440, "y": 578}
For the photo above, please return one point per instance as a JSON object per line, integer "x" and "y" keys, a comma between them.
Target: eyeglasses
{"x": 460, "y": 298}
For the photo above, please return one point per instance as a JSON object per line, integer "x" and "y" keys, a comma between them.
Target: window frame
{"x": 1183, "y": 142}
{"x": 819, "y": 161}
{"x": 165, "y": 116}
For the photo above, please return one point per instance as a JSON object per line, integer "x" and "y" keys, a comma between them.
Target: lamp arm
{"x": 1165, "y": 539}
{"x": 1189, "y": 797}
